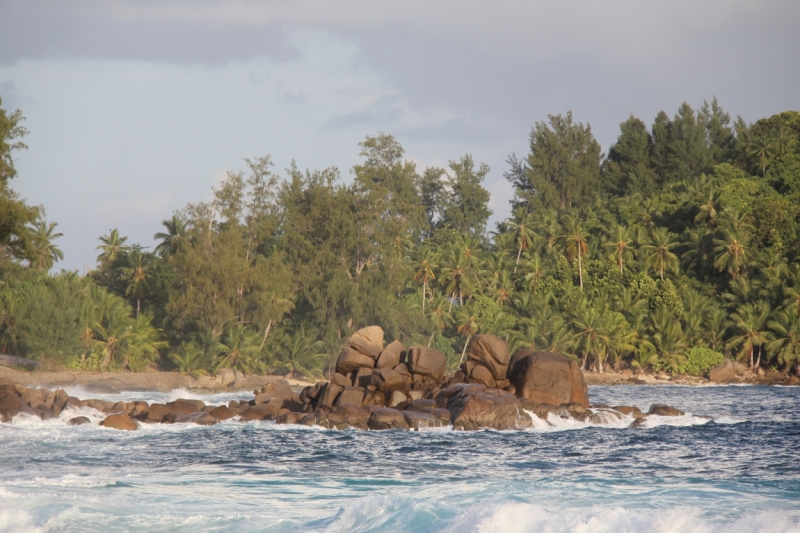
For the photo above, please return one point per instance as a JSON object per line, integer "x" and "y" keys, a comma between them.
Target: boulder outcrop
{"x": 547, "y": 377}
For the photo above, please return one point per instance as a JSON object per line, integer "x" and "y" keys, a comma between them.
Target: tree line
{"x": 675, "y": 250}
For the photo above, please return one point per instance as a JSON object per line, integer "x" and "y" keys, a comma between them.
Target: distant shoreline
{"x": 167, "y": 381}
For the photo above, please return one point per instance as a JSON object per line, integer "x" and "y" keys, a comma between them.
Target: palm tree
{"x": 425, "y": 272}
{"x": 111, "y": 246}
{"x": 188, "y": 357}
{"x": 455, "y": 275}
{"x": 439, "y": 317}
{"x": 176, "y": 227}
{"x": 763, "y": 148}
{"x": 621, "y": 247}
{"x": 45, "y": 252}
{"x": 750, "y": 332}
{"x": 667, "y": 337}
{"x": 467, "y": 320}
{"x": 520, "y": 227}
{"x": 590, "y": 338}
{"x": 785, "y": 342}
{"x": 139, "y": 274}
{"x": 575, "y": 243}
{"x": 301, "y": 354}
{"x": 662, "y": 257}
{"x": 784, "y": 140}
{"x": 731, "y": 253}
{"x": 240, "y": 350}
{"x": 707, "y": 211}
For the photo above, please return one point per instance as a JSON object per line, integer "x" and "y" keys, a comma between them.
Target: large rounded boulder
{"x": 547, "y": 377}
{"x": 427, "y": 362}
{"x": 490, "y": 352}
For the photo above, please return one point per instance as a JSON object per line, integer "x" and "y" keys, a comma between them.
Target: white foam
{"x": 530, "y": 518}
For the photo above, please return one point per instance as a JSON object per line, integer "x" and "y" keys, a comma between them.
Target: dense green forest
{"x": 676, "y": 249}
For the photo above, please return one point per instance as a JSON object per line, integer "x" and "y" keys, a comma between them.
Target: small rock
{"x": 387, "y": 418}
{"x": 120, "y": 421}
{"x": 79, "y": 421}
{"x": 664, "y": 410}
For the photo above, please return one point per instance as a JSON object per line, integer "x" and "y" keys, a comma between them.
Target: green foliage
{"x": 699, "y": 361}
{"x": 686, "y": 235}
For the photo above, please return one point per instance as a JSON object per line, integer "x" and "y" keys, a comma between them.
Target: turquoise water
{"x": 739, "y": 472}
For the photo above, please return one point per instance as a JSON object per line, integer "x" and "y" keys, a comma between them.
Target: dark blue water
{"x": 737, "y": 472}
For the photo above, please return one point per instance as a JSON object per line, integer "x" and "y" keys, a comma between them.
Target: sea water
{"x": 736, "y": 473}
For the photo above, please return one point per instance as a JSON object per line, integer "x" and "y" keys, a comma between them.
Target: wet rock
{"x": 272, "y": 391}
{"x": 473, "y": 406}
{"x": 263, "y": 411}
{"x": 221, "y": 413}
{"x": 201, "y": 418}
{"x": 491, "y": 353}
{"x": 11, "y": 403}
{"x": 121, "y": 422}
{"x": 391, "y": 356}
{"x": 723, "y": 373}
{"x": 288, "y": 418}
{"x": 347, "y": 416}
{"x": 417, "y": 420}
{"x": 79, "y": 421}
{"x": 664, "y": 410}
{"x": 427, "y": 362}
{"x": 350, "y": 360}
{"x": 387, "y": 418}
{"x": 546, "y": 377}
{"x": 627, "y": 409}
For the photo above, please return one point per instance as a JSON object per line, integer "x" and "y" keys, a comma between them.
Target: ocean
{"x": 738, "y": 472}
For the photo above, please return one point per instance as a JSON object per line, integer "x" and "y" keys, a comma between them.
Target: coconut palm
{"x": 425, "y": 272}
{"x": 762, "y": 148}
{"x": 590, "y": 337}
{"x": 731, "y": 253}
{"x": 439, "y": 316}
{"x": 240, "y": 350}
{"x": 661, "y": 257}
{"x": 301, "y": 354}
{"x": 45, "y": 253}
{"x": 138, "y": 273}
{"x": 620, "y": 245}
{"x": 575, "y": 243}
{"x": 520, "y": 226}
{"x": 467, "y": 324}
{"x": 111, "y": 246}
{"x": 785, "y": 343}
{"x": 750, "y": 332}
{"x": 171, "y": 240}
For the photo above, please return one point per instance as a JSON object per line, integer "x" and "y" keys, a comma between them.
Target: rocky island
{"x": 379, "y": 387}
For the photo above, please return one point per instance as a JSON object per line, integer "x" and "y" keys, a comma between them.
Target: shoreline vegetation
{"x": 674, "y": 255}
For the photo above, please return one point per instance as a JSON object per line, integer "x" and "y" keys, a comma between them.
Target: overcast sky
{"x": 137, "y": 107}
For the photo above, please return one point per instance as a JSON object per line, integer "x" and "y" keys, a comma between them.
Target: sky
{"x": 137, "y": 107}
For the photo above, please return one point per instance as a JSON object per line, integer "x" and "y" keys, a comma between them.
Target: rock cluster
{"x": 377, "y": 387}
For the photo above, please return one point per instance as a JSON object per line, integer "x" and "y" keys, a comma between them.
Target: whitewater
{"x": 738, "y": 471}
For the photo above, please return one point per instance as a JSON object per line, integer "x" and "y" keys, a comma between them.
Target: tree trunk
{"x": 449, "y": 309}
{"x": 137, "y": 307}
{"x": 583, "y": 364}
{"x": 580, "y": 268}
{"x": 266, "y": 332}
{"x": 465, "y": 349}
{"x": 431, "y": 339}
{"x": 519, "y": 253}
{"x": 758, "y": 360}
{"x": 423, "y": 296}
{"x": 619, "y": 262}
